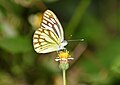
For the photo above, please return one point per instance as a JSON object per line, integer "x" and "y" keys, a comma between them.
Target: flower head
{"x": 63, "y": 54}
{"x": 63, "y": 58}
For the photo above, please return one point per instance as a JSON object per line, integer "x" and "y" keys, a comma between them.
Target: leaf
{"x": 16, "y": 45}
{"x": 92, "y": 29}
{"x": 116, "y": 66}
{"x": 109, "y": 53}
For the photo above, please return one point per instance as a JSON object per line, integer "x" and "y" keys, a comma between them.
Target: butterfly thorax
{"x": 63, "y": 43}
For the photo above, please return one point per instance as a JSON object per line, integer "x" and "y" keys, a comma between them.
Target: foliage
{"x": 97, "y": 21}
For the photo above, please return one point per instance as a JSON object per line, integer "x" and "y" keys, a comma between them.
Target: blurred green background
{"x": 97, "y": 21}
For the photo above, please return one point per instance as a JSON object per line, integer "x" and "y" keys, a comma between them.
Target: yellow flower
{"x": 63, "y": 58}
{"x": 63, "y": 54}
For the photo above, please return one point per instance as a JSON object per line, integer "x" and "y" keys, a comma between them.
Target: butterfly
{"x": 49, "y": 36}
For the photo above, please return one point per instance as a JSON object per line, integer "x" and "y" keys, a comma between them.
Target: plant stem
{"x": 64, "y": 77}
{"x": 75, "y": 20}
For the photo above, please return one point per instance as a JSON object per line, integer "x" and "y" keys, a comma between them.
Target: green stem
{"x": 75, "y": 19}
{"x": 64, "y": 77}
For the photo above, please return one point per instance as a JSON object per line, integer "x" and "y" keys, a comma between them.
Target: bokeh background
{"x": 97, "y": 58}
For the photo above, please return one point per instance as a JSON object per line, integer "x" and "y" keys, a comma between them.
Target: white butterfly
{"x": 49, "y": 37}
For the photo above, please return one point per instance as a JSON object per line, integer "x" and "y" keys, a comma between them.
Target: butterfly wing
{"x": 44, "y": 41}
{"x": 49, "y": 36}
{"x": 51, "y": 22}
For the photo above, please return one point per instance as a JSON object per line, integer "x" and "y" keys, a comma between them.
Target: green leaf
{"x": 16, "y": 45}
{"x": 109, "y": 53}
{"x": 92, "y": 29}
{"x": 116, "y": 66}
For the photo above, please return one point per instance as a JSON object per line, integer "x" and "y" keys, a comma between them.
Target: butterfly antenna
{"x": 76, "y": 40}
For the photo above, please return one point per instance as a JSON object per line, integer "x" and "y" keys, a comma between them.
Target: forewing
{"x": 51, "y": 22}
{"x": 45, "y": 41}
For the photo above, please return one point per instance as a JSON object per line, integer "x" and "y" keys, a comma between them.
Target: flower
{"x": 63, "y": 54}
{"x": 63, "y": 58}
